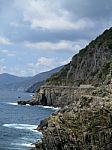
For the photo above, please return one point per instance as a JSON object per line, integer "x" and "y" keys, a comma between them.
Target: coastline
{"x": 70, "y": 124}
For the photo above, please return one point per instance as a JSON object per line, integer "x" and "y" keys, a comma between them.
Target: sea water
{"x": 18, "y": 123}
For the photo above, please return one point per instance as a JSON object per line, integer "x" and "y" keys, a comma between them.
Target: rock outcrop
{"x": 84, "y": 124}
{"x": 59, "y": 96}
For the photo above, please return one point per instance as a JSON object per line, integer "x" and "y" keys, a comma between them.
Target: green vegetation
{"x": 60, "y": 77}
{"x": 83, "y": 52}
{"x": 104, "y": 71}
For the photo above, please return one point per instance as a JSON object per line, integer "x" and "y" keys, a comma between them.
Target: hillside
{"x": 84, "y": 121}
{"x": 85, "y": 124}
{"x": 86, "y": 67}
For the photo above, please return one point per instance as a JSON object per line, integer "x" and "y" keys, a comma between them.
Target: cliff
{"x": 59, "y": 96}
{"x": 89, "y": 66}
{"x": 84, "y": 124}
{"x": 83, "y": 90}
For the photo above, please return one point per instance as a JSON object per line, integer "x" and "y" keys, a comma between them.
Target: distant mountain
{"x": 39, "y": 79}
{"x": 29, "y": 84}
{"x": 35, "y": 86}
{"x": 6, "y": 78}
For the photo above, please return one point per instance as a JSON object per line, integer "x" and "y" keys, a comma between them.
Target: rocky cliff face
{"x": 59, "y": 96}
{"x": 93, "y": 65}
{"x": 85, "y": 124}
{"x": 85, "y": 120}
{"x": 86, "y": 67}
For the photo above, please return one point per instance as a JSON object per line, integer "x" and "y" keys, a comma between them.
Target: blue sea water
{"x": 17, "y": 123}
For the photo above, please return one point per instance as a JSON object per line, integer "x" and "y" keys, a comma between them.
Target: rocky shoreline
{"x": 84, "y": 121}
{"x": 83, "y": 90}
{"x": 56, "y": 96}
{"x": 84, "y": 124}
{"x": 27, "y": 102}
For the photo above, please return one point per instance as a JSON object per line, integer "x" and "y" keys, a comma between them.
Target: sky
{"x": 39, "y": 35}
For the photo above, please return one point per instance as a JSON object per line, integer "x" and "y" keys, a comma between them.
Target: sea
{"x": 18, "y": 123}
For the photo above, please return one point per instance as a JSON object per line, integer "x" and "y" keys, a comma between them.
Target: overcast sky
{"x": 39, "y": 35}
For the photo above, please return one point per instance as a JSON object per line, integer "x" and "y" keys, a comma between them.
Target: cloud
{"x": 44, "y": 20}
{"x": 2, "y": 66}
{"x": 65, "y": 61}
{"x": 41, "y": 65}
{"x": 15, "y": 24}
{"x": 64, "y": 14}
{"x": 7, "y": 52}
{"x": 45, "y": 64}
{"x": 18, "y": 71}
{"x": 88, "y": 9}
{"x": 41, "y": 14}
{"x": 58, "y": 46}
{"x": 50, "y": 28}
{"x": 5, "y": 41}
{"x": 43, "y": 61}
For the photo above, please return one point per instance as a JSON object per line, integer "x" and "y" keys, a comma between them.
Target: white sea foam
{"x": 28, "y": 145}
{"x": 21, "y": 126}
{"x": 23, "y": 144}
{"x": 27, "y": 105}
{"x": 46, "y": 107}
{"x": 49, "y": 107}
{"x": 13, "y": 104}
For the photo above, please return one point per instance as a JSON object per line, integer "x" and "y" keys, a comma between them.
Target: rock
{"x": 21, "y": 102}
{"x": 39, "y": 145}
{"x": 42, "y": 124}
{"x": 90, "y": 127}
{"x": 58, "y": 96}
{"x": 30, "y": 102}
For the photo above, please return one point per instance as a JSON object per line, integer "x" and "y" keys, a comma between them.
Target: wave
{"x": 13, "y": 104}
{"x": 21, "y": 126}
{"x": 27, "y": 105}
{"x": 46, "y": 107}
{"x": 49, "y": 107}
{"x": 23, "y": 144}
{"x": 28, "y": 145}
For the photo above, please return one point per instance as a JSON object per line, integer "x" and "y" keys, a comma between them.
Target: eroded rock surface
{"x": 85, "y": 124}
{"x": 85, "y": 120}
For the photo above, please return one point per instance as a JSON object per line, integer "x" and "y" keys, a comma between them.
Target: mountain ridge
{"x": 15, "y": 83}
{"x": 87, "y": 64}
